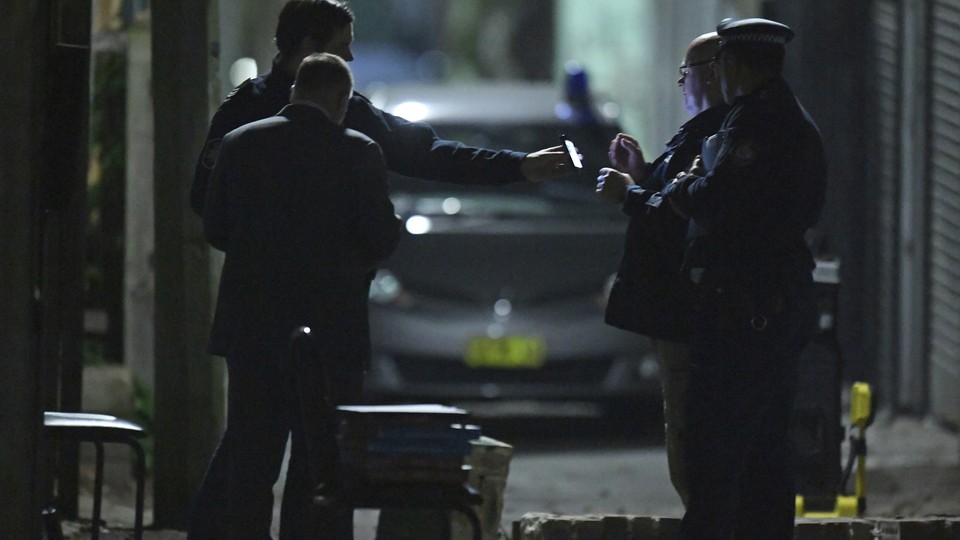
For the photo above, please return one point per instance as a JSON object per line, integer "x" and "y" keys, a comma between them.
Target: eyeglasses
{"x": 685, "y": 68}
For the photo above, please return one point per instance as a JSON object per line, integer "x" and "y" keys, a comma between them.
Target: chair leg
{"x": 140, "y": 473}
{"x": 97, "y": 493}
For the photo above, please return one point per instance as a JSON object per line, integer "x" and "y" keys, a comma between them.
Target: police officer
{"x": 412, "y": 149}
{"x": 650, "y": 295}
{"x": 747, "y": 254}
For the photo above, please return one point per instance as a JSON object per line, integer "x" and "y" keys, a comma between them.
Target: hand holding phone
{"x": 573, "y": 155}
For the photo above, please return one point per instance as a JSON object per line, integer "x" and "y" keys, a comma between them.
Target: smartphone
{"x": 573, "y": 155}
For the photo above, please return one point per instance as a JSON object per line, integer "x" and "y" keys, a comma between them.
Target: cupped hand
{"x": 626, "y": 156}
{"x": 612, "y": 185}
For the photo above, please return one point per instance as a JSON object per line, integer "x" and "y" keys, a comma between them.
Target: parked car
{"x": 498, "y": 294}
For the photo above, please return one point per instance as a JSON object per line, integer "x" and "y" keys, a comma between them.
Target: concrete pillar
{"x": 138, "y": 324}
{"x": 189, "y": 384}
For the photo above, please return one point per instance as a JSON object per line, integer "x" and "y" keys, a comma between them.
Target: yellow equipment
{"x": 861, "y": 416}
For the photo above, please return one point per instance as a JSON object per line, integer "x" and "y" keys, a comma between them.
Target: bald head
{"x": 324, "y": 80}
{"x": 701, "y": 89}
{"x": 703, "y": 48}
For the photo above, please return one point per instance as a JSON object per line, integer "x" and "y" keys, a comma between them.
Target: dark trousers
{"x": 741, "y": 390}
{"x": 235, "y": 500}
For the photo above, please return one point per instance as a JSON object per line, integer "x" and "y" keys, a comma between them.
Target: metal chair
{"x": 99, "y": 429}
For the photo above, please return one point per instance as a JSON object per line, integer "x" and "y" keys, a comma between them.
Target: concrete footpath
{"x": 913, "y": 492}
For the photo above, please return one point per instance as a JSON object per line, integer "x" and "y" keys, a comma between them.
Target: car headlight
{"x": 385, "y": 288}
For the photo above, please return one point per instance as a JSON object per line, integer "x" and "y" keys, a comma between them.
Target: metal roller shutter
{"x": 887, "y": 49}
{"x": 944, "y": 234}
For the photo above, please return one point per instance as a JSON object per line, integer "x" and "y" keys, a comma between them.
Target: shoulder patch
{"x": 240, "y": 87}
{"x": 210, "y": 152}
{"x": 744, "y": 153}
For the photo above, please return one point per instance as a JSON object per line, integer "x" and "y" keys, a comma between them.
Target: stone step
{"x": 538, "y": 526}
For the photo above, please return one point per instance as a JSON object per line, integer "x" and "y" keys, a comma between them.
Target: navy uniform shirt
{"x": 650, "y": 295}
{"x": 410, "y": 148}
{"x": 749, "y": 214}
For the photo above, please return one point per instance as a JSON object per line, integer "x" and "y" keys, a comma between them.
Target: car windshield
{"x": 570, "y": 196}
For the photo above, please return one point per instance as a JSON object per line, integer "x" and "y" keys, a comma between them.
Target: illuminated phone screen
{"x": 572, "y": 153}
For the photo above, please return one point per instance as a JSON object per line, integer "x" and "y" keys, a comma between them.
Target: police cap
{"x": 756, "y": 30}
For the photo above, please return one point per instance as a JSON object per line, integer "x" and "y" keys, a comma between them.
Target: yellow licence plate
{"x": 512, "y": 352}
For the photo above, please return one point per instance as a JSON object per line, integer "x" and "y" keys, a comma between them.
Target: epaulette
{"x": 250, "y": 86}
{"x": 361, "y": 97}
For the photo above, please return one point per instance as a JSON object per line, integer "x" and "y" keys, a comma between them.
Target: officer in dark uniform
{"x": 650, "y": 295}
{"x": 410, "y": 148}
{"x": 747, "y": 253}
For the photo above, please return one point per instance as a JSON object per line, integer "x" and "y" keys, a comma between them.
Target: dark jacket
{"x": 650, "y": 295}
{"x": 300, "y": 207}
{"x": 410, "y": 148}
{"x": 749, "y": 214}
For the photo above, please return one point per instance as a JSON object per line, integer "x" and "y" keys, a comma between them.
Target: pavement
{"x": 913, "y": 471}
{"x": 913, "y": 468}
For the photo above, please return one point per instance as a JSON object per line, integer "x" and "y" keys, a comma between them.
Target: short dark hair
{"x": 764, "y": 58}
{"x": 317, "y": 19}
{"x": 324, "y": 72}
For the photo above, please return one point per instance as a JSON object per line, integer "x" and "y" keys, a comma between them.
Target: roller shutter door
{"x": 944, "y": 233}
{"x": 887, "y": 47}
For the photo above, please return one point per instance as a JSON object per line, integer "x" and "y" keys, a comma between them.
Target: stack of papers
{"x": 405, "y": 443}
